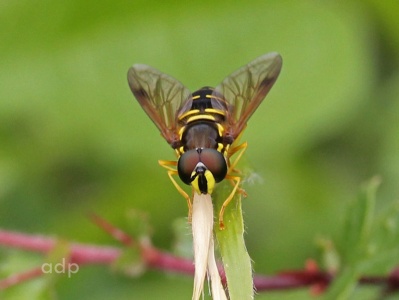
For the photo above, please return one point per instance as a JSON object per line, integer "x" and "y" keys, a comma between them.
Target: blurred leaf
{"x": 358, "y": 226}
{"x": 343, "y": 287}
{"x": 183, "y": 240}
{"x": 355, "y": 243}
{"x": 384, "y": 242}
{"x": 41, "y": 288}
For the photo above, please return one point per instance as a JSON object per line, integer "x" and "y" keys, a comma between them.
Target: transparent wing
{"x": 244, "y": 90}
{"x": 160, "y": 96}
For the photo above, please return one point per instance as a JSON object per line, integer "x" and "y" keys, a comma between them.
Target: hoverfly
{"x": 204, "y": 127}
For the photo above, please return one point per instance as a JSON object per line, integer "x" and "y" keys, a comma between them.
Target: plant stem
{"x": 236, "y": 261}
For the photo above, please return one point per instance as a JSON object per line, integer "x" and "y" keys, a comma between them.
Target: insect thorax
{"x": 203, "y": 124}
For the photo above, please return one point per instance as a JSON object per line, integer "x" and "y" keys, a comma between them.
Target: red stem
{"x": 88, "y": 254}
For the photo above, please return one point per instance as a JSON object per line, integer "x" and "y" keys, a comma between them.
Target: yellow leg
{"x": 232, "y": 166}
{"x": 235, "y": 180}
{"x": 234, "y": 150}
{"x": 229, "y": 198}
{"x": 168, "y": 165}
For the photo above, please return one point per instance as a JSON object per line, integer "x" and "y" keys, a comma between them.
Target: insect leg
{"x": 171, "y": 167}
{"x": 237, "y": 181}
{"x": 232, "y": 166}
{"x": 234, "y": 150}
{"x": 168, "y": 164}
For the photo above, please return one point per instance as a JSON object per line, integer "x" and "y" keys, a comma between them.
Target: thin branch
{"x": 20, "y": 277}
{"x": 83, "y": 254}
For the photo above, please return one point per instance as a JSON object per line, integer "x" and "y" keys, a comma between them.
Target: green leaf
{"x": 182, "y": 242}
{"x": 358, "y": 227}
{"x": 236, "y": 260}
{"x": 343, "y": 286}
{"x": 356, "y": 241}
{"x": 383, "y": 245}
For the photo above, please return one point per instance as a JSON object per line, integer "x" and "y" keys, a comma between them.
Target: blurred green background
{"x": 74, "y": 140}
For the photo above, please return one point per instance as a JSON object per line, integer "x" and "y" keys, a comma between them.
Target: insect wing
{"x": 161, "y": 97}
{"x": 245, "y": 89}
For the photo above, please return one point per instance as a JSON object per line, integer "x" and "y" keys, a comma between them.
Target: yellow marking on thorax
{"x": 200, "y": 117}
{"x": 224, "y": 149}
{"x": 215, "y": 111}
{"x": 181, "y": 131}
{"x": 179, "y": 151}
{"x": 188, "y": 113}
{"x": 220, "y": 129}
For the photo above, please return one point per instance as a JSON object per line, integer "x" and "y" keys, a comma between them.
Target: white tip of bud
{"x": 204, "y": 257}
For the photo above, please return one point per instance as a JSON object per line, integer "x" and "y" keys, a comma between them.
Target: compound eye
{"x": 215, "y": 163}
{"x": 186, "y": 165}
